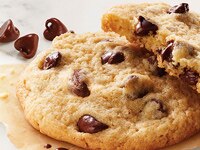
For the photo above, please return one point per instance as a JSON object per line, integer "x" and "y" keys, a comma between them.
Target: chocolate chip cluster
{"x": 27, "y": 45}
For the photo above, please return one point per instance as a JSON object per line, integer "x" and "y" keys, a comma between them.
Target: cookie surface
{"x": 172, "y": 33}
{"x": 98, "y": 91}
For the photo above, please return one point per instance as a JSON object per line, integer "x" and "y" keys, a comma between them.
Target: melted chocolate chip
{"x": 88, "y": 124}
{"x": 144, "y": 27}
{"x": 47, "y": 146}
{"x": 61, "y": 148}
{"x": 54, "y": 27}
{"x": 157, "y": 71}
{"x": 181, "y": 8}
{"x": 160, "y": 72}
{"x": 27, "y": 45}
{"x": 166, "y": 54}
{"x": 161, "y": 106}
{"x": 112, "y": 58}
{"x": 152, "y": 60}
{"x": 143, "y": 52}
{"x": 8, "y": 32}
{"x": 159, "y": 51}
{"x": 79, "y": 86}
{"x": 52, "y": 60}
{"x": 143, "y": 93}
{"x": 190, "y": 77}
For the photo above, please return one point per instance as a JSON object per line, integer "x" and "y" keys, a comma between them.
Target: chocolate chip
{"x": 71, "y": 31}
{"x": 161, "y": 106}
{"x": 88, "y": 124}
{"x": 190, "y": 77}
{"x": 52, "y": 60}
{"x": 144, "y": 27}
{"x": 166, "y": 54}
{"x": 79, "y": 87}
{"x": 112, "y": 58}
{"x": 27, "y": 45}
{"x": 181, "y": 8}
{"x": 8, "y": 32}
{"x": 61, "y": 148}
{"x": 54, "y": 27}
{"x": 47, "y": 146}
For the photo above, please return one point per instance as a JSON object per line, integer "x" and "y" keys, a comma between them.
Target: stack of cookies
{"x": 133, "y": 87}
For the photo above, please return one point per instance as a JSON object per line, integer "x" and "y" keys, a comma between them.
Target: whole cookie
{"x": 172, "y": 33}
{"x": 98, "y": 91}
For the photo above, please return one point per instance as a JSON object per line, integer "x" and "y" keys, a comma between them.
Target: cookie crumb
{"x": 2, "y": 76}
{"x": 4, "y": 95}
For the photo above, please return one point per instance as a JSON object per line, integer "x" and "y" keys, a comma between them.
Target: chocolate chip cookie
{"x": 98, "y": 91}
{"x": 171, "y": 32}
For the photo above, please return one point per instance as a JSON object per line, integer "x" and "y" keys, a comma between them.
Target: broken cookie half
{"x": 171, "y": 33}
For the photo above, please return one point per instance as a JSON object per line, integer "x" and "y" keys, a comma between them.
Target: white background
{"x": 78, "y": 15}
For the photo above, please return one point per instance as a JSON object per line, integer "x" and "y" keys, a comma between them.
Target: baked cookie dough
{"x": 98, "y": 91}
{"x": 172, "y": 33}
